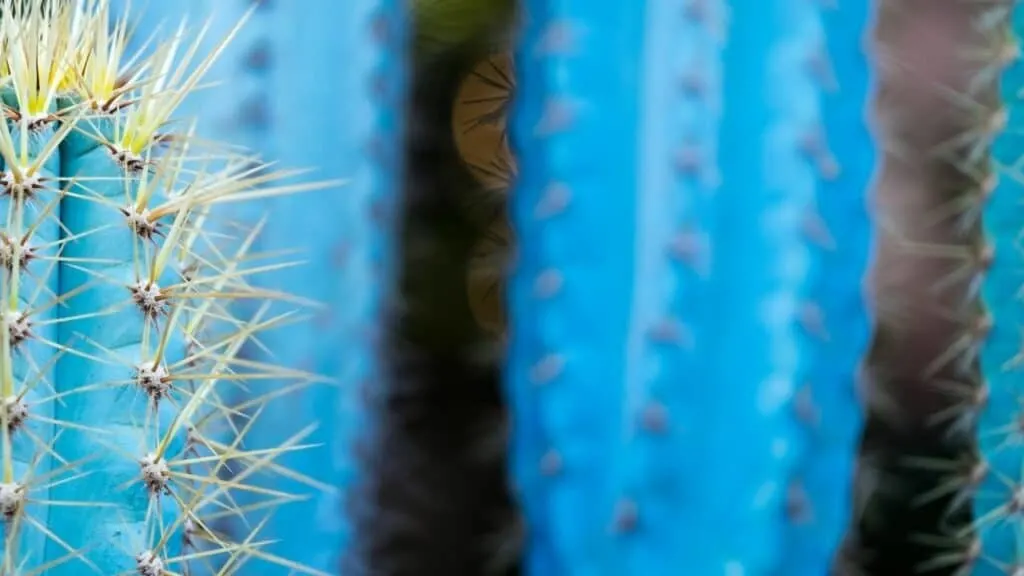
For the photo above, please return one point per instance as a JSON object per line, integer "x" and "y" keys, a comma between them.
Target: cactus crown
{"x": 123, "y": 447}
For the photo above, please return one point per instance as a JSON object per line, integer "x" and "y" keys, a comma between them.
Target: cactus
{"x": 837, "y": 320}
{"x": 692, "y": 255}
{"x": 567, "y": 122}
{"x": 353, "y": 254}
{"x": 349, "y": 235}
{"x": 761, "y": 277}
{"x": 118, "y": 345}
{"x": 996, "y": 473}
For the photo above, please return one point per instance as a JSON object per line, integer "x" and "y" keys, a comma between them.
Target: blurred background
{"x": 436, "y": 483}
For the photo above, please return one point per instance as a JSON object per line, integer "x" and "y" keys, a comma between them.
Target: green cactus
{"x": 118, "y": 345}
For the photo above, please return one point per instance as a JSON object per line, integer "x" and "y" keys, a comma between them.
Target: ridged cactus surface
{"x": 575, "y": 135}
{"x": 761, "y": 276}
{"x": 344, "y": 114}
{"x": 119, "y": 347}
{"x": 995, "y": 478}
{"x": 673, "y": 433}
{"x": 835, "y": 316}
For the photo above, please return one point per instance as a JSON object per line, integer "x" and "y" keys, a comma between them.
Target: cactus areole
{"x": 118, "y": 341}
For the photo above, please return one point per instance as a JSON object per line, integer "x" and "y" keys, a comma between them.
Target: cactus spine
{"x": 30, "y": 243}
{"x": 118, "y": 346}
{"x": 574, "y": 132}
{"x": 996, "y": 475}
{"x": 837, "y": 319}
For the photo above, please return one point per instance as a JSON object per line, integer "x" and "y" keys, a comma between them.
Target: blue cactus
{"x": 704, "y": 268}
{"x": 345, "y": 114}
{"x": 119, "y": 350}
{"x": 575, "y": 135}
{"x": 761, "y": 278}
{"x": 312, "y": 91}
{"x": 837, "y": 319}
{"x": 996, "y": 477}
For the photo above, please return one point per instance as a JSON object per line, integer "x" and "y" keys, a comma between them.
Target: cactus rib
{"x": 996, "y": 477}
{"x": 350, "y": 120}
{"x": 751, "y": 440}
{"x": 837, "y": 320}
{"x": 31, "y": 243}
{"x": 573, "y": 132}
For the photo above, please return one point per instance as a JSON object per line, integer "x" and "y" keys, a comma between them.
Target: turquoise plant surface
{"x": 346, "y": 115}
{"x": 119, "y": 353}
{"x": 994, "y": 476}
{"x": 570, "y": 300}
{"x": 676, "y": 405}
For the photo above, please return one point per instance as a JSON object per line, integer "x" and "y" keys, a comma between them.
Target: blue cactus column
{"x": 751, "y": 440}
{"x": 337, "y": 104}
{"x": 574, "y": 211}
{"x": 29, "y": 299}
{"x": 998, "y": 499}
{"x": 836, "y": 320}
{"x": 234, "y": 109}
{"x": 660, "y": 321}
{"x": 615, "y": 128}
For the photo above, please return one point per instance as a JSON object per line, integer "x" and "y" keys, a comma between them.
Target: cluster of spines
{"x": 351, "y": 121}
{"x": 492, "y": 166}
{"x": 980, "y": 531}
{"x": 117, "y": 343}
{"x": 996, "y": 263}
{"x": 836, "y": 318}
